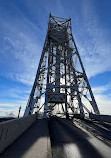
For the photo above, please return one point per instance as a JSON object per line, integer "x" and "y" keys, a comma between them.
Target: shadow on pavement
{"x": 67, "y": 139}
{"x": 32, "y": 143}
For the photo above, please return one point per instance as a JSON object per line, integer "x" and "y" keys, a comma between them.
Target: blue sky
{"x": 23, "y": 26}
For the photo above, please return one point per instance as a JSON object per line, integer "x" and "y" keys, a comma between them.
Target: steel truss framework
{"x": 61, "y": 76}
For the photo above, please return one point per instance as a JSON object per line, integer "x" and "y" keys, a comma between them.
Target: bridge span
{"x": 61, "y": 138}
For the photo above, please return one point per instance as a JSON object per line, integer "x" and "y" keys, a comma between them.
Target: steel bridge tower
{"x": 61, "y": 78}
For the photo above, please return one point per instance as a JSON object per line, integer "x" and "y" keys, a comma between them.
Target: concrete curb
{"x": 11, "y": 130}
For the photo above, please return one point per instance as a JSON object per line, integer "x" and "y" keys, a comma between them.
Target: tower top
{"x": 58, "y": 20}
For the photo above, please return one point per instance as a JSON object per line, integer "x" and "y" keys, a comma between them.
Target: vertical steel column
{"x": 30, "y": 100}
{"x": 65, "y": 62}
{"x": 77, "y": 89}
{"x": 47, "y": 85}
{"x": 57, "y": 70}
{"x": 93, "y": 103}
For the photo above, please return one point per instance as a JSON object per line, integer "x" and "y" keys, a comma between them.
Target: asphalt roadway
{"x": 69, "y": 141}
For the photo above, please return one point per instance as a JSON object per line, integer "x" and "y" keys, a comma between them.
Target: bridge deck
{"x": 35, "y": 142}
{"x": 67, "y": 141}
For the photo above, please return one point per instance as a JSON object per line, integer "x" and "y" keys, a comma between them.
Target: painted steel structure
{"x": 61, "y": 78}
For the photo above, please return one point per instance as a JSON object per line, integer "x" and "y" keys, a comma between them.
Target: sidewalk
{"x": 34, "y": 143}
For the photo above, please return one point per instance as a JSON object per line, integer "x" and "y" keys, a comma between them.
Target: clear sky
{"x": 23, "y": 26}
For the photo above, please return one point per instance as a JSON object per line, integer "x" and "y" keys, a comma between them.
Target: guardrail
{"x": 93, "y": 131}
{"x": 12, "y": 129}
{"x": 104, "y": 118}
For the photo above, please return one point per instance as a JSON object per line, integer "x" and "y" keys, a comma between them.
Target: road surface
{"x": 68, "y": 141}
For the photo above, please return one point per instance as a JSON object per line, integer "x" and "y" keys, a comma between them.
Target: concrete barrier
{"x": 103, "y": 118}
{"x": 12, "y": 129}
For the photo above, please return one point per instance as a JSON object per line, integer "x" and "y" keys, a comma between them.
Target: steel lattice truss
{"x": 61, "y": 77}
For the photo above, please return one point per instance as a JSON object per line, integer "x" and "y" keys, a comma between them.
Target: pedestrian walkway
{"x": 34, "y": 143}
